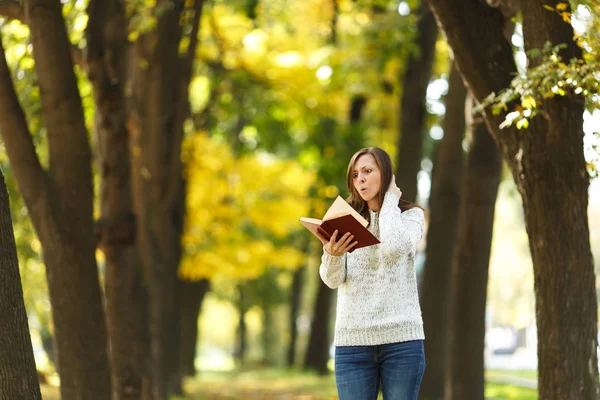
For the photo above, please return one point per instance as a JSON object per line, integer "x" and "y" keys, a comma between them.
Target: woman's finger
{"x": 333, "y": 238}
{"x": 348, "y": 248}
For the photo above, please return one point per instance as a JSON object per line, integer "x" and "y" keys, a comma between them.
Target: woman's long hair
{"x": 384, "y": 162}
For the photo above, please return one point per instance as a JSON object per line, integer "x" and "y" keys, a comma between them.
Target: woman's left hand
{"x": 393, "y": 188}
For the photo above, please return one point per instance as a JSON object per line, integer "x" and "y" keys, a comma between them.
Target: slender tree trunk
{"x": 126, "y": 295}
{"x": 548, "y": 167}
{"x": 413, "y": 110}
{"x": 471, "y": 264}
{"x": 191, "y": 297}
{"x": 441, "y": 238}
{"x": 48, "y": 343}
{"x": 241, "y": 346}
{"x": 295, "y": 302}
{"x": 60, "y": 202}
{"x": 18, "y": 375}
{"x": 317, "y": 353}
{"x": 269, "y": 338}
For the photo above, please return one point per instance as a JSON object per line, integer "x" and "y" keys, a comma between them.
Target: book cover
{"x": 344, "y": 218}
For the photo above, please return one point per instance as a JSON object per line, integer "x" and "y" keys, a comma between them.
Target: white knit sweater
{"x": 377, "y": 285}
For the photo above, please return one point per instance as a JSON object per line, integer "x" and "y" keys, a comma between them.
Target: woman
{"x": 379, "y": 330}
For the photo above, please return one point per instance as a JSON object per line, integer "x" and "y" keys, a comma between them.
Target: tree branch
{"x": 17, "y": 138}
{"x": 183, "y": 109}
{"x": 67, "y": 134}
{"x": 12, "y": 9}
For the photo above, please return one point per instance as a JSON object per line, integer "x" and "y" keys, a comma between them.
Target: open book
{"x": 344, "y": 218}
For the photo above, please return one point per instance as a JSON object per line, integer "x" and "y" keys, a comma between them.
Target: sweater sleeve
{"x": 400, "y": 231}
{"x": 333, "y": 269}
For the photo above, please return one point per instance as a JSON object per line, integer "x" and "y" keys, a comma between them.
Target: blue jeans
{"x": 398, "y": 366}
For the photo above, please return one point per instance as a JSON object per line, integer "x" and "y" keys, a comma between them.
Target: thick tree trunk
{"x": 317, "y": 352}
{"x": 554, "y": 183}
{"x": 60, "y": 203}
{"x": 441, "y": 238}
{"x": 295, "y": 302}
{"x": 413, "y": 110}
{"x": 157, "y": 110}
{"x": 126, "y": 296}
{"x": 548, "y": 167}
{"x": 18, "y": 376}
{"x": 465, "y": 378}
{"x": 191, "y": 295}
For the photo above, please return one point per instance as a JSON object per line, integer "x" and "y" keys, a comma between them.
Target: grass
{"x": 285, "y": 384}
{"x": 508, "y": 392}
{"x": 260, "y": 384}
{"x": 527, "y": 374}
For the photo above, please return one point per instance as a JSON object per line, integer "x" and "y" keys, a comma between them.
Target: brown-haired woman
{"x": 379, "y": 330}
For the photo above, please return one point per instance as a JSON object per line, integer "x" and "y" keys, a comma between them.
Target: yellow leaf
{"x": 528, "y": 102}
{"x": 523, "y": 123}
{"x": 562, "y": 6}
{"x": 566, "y": 17}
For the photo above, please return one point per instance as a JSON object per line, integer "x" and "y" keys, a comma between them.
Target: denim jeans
{"x": 399, "y": 368}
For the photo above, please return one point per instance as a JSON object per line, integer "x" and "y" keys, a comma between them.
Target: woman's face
{"x": 366, "y": 177}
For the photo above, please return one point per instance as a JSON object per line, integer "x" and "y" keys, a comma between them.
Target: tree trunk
{"x": 18, "y": 375}
{"x": 191, "y": 295}
{"x": 317, "y": 353}
{"x": 295, "y": 302}
{"x": 157, "y": 109}
{"x": 465, "y": 378}
{"x": 126, "y": 295}
{"x": 48, "y": 343}
{"x": 241, "y": 346}
{"x": 554, "y": 183}
{"x": 60, "y": 202}
{"x": 441, "y": 238}
{"x": 548, "y": 167}
{"x": 413, "y": 110}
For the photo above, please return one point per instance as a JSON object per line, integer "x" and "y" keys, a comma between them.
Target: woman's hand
{"x": 393, "y": 188}
{"x": 337, "y": 247}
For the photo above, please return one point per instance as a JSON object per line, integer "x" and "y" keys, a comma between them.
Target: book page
{"x": 339, "y": 208}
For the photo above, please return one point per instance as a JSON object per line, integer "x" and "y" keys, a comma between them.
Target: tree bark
{"x": 18, "y": 375}
{"x": 60, "y": 202}
{"x": 295, "y": 302}
{"x": 241, "y": 345}
{"x": 157, "y": 109}
{"x": 465, "y": 369}
{"x": 191, "y": 295}
{"x": 441, "y": 238}
{"x": 555, "y": 184}
{"x": 548, "y": 167}
{"x": 413, "y": 110}
{"x": 317, "y": 352}
{"x": 126, "y": 295}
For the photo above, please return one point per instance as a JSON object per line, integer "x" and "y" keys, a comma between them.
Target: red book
{"x": 344, "y": 218}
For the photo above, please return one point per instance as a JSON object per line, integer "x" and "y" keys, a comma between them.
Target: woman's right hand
{"x": 337, "y": 247}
